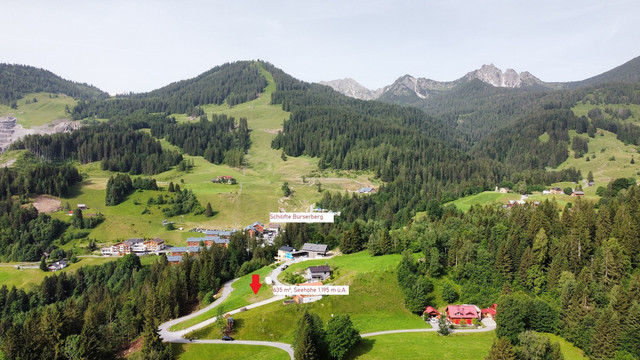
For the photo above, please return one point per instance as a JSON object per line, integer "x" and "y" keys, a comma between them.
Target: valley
{"x": 503, "y": 207}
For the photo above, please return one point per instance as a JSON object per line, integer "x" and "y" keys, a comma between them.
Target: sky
{"x": 131, "y": 45}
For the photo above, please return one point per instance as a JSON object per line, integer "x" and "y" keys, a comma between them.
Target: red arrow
{"x": 255, "y": 283}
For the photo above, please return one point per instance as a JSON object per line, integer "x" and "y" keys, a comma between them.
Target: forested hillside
{"x": 18, "y": 80}
{"x": 234, "y": 83}
{"x": 419, "y": 157}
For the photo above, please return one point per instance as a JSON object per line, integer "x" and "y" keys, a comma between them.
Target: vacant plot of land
{"x": 227, "y": 352}
{"x": 46, "y": 203}
{"x": 242, "y": 295}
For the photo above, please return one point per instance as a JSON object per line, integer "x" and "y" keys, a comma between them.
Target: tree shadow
{"x": 363, "y": 347}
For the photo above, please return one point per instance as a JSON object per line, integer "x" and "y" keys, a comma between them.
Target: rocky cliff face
{"x": 509, "y": 78}
{"x": 352, "y": 88}
{"x": 408, "y": 85}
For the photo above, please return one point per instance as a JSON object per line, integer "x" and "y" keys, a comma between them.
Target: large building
{"x": 315, "y": 250}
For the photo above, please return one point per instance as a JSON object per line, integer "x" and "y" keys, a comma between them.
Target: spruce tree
{"x": 502, "y": 350}
{"x": 43, "y": 264}
{"x": 341, "y": 336}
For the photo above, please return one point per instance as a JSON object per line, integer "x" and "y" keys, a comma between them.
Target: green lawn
{"x": 242, "y": 295}
{"x": 227, "y": 352}
{"x": 484, "y": 197}
{"x": 424, "y": 346}
{"x": 569, "y": 351}
{"x": 42, "y": 112}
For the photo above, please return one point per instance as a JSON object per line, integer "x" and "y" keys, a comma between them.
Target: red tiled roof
{"x": 462, "y": 311}
{"x": 430, "y": 310}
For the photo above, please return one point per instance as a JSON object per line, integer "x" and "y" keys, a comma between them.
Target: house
{"x": 174, "y": 259}
{"x": 489, "y": 312}
{"x": 511, "y": 203}
{"x": 285, "y": 253}
{"x": 366, "y": 190}
{"x": 178, "y": 251}
{"x": 463, "y": 313}
{"x": 223, "y": 234}
{"x": 304, "y": 299}
{"x": 577, "y": 193}
{"x": 58, "y": 265}
{"x": 224, "y": 179}
{"x": 504, "y": 190}
{"x": 154, "y": 245}
{"x": 208, "y": 241}
{"x": 318, "y": 272}
{"x": 431, "y": 312}
{"x": 194, "y": 241}
{"x": 255, "y": 229}
{"x": 82, "y": 207}
{"x": 556, "y": 191}
{"x": 315, "y": 250}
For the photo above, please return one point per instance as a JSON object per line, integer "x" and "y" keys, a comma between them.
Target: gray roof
{"x": 194, "y": 248}
{"x": 178, "y": 249}
{"x": 174, "y": 258}
{"x": 132, "y": 242}
{"x": 219, "y": 232}
{"x": 287, "y": 249}
{"x": 314, "y": 247}
{"x": 319, "y": 269}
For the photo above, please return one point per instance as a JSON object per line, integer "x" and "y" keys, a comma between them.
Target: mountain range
{"x": 413, "y": 88}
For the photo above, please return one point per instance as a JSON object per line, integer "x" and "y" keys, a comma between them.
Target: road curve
{"x": 489, "y": 324}
{"x": 279, "y": 345}
{"x": 172, "y": 336}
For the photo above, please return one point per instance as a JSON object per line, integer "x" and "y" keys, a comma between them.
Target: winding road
{"x": 178, "y": 336}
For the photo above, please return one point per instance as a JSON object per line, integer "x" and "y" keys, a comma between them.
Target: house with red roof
{"x": 463, "y": 313}
{"x": 303, "y": 299}
{"x": 489, "y": 312}
{"x": 431, "y": 312}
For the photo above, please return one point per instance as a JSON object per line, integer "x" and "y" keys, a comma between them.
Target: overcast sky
{"x": 130, "y": 45}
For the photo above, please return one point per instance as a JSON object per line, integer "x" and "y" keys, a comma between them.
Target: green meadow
{"x": 44, "y": 111}
{"x": 242, "y": 295}
{"x": 227, "y": 352}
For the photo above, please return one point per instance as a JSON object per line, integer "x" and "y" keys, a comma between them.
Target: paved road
{"x": 490, "y": 325}
{"x": 171, "y": 336}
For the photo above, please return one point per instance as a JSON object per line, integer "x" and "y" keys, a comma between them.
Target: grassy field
{"x": 242, "y": 295}
{"x": 424, "y": 346}
{"x": 605, "y": 148}
{"x": 42, "y": 112}
{"x": 375, "y": 302}
{"x": 257, "y": 193}
{"x": 484, "y": 197}
{"x": 227, "y": 352}
{"x": 23, "y": 278}
{"x": 569, "y": 351}
{"x": 582, "y": 109}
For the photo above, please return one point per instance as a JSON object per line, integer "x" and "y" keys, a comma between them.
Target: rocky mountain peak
{"x": 492, "y": 75}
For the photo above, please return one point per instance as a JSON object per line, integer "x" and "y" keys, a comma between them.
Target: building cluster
{"x": 134, "y": 246}
{"x": 308, "y": 250}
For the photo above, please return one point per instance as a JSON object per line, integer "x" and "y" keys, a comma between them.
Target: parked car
{"x": 284, "y": 267}
{"x": 227, "y": 338}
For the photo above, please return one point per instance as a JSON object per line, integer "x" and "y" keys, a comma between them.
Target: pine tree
{"x": 171, "y": 188}
{"x": 606, "y": 335}
{"x": 43, "y": 264}
{"x": 341, "y": 336}
{"x": 502, "y": 350}
{"x": 310, "y": 338}
{"x": 540, "y": 247}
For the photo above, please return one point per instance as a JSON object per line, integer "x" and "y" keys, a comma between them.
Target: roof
{"x": 156, "y": 240}
{"x": 177, "y": 258}
{"x": 219, "y": 232}
{"x": 133, "y": 241}
{"x": 194, "y": 248}
{"x": 287, "y": 249}
{"x": 462, "y": 311}
{"x": 314, "y": 247}
{"x": 319, "y": 269}
{"x": 178, "y": 249}
{"x": 365, "y": 189}
{"x": 490, "y": 311}
{"x": 315, "y": 283}
{"x": 220, "y": 241}
{"x": 430, "y": 310}
{"x": 578, "y": 192}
